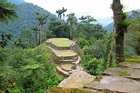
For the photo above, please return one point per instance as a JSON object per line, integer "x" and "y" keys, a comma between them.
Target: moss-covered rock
{"x": 130, "y": 61}
{"x": 66, "y": 90}
{"x": 124, "y": 73}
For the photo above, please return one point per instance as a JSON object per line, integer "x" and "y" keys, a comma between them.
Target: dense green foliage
{"x": 27, "y": 70}
{"x": 25, "y": 65}
{"x": 26, "y": 19}
{"x": 133, "y": 35}
{"x": 7, "y": 11}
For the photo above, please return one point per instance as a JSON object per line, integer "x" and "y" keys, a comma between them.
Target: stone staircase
{"x": 69, "y": 65}
{"x": 68, "y": 59}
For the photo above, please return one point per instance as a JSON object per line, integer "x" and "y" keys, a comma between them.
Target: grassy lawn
{"x": 60, "y": 42}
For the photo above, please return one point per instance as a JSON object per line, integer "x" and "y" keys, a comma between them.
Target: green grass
{"x": 66, "y": 53}
{"x": 61, "y": 42}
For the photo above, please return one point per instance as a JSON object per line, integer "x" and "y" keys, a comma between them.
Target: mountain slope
{"x": 16, "y": 1}
{"x": 109, "y": 27}
{"x": 26, "y": 19}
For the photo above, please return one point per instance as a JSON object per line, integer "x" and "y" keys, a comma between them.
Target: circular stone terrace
{"x": 60, "y": 42}
{"x": 61, "y": 47}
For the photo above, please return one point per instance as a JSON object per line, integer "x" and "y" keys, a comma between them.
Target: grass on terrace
{"x": 65, "y": 53}
{"x": 60, "y": 42}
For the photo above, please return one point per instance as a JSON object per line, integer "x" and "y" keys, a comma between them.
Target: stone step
{"x": 132, "y": 62}
{"x": 62, "y": 72}
{"x": 124, "y": 72}
{"x": 68, "y": 60}
{"x": 58, "y": 48}
{"x": 65, "y": 54}
{"x": 115, "y": 84}
{"x": 77, "y": 61}
{"x": 129, "y": 65}
{"x": 67, "y": 67}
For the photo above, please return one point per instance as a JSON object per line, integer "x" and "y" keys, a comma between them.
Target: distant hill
{"x": 26, "y": 18}
{"x": 109, "y": 27}
{"x": 104, "y": 21}
{"x": 16, "y": 1}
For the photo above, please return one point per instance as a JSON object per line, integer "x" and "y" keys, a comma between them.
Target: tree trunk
{"x": 119, "y": 30}
{"x": 36, "y": 38}
{"x": 71, "y": 33}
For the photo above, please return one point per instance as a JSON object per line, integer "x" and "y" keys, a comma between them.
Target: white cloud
{"x": 95, "y": 8}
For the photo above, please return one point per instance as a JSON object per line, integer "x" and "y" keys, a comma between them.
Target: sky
{"x": 99, "y": 9}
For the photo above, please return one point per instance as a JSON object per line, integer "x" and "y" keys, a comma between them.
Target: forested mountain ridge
{"x": 26, "y": 19}
{"x": 16, "y": 1}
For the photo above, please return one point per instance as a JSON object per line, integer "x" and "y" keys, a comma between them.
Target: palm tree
{"x": 82, "y": 18}
{"x": 42, "y": 20}
{"x": 59, "y": 12}
{"x": 72, "y": 20}
{"x": 63, "y": 12}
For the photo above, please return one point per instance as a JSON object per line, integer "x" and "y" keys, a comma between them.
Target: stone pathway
{"x": 115, "y": 84}
{"x": 122, "y": 79}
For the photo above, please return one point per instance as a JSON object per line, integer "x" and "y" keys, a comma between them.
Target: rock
{"x": 124, "y": 72}
{"x": 113, "y": 71}
{"x": 77, "y": 80}
{"x": 115, "y": 84}
{"x": 129, "y": 65}
{"x": 68, "y": 90}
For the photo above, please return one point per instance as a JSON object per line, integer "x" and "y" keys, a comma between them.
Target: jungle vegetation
{"x": 25, "y": 63}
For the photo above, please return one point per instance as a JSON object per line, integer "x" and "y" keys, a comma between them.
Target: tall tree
{"x": 59, "y": 12}
{"x": 120, "y": 26}
{"x": 72, "y": 20}
{"x": 63, "y": 12}
{"x": 42, "y": 20}
{"x": 36, "y": 30}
